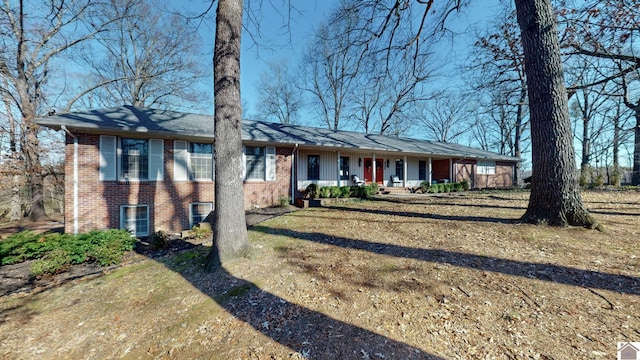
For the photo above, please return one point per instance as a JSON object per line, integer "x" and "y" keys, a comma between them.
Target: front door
{"x": 368, "y": 170}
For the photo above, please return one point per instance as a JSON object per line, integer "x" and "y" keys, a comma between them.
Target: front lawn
{"x": 446, "y": 276}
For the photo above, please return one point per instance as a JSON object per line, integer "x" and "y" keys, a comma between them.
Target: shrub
{"x": 374, "y": 188}
{"x": 424, "y": 187}
{"x": 160, "y": 240}
{"x": 201, "y": 232}
{"x": 324, "y": 192}
{"x": 284, "y": 201}
{"x": 457, "y": 187}
{"x": 54, "y": 252}
{"x": 335, "y": 191}
{"x": 345, "y": 191}
{"x": 465, "y": 185}
{"x": 434, "y": 188}
{"x": 311, "y": 192}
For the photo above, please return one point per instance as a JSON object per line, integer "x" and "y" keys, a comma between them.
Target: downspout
{"x": 294, "y": 166}
{"x": 75, "y": 179}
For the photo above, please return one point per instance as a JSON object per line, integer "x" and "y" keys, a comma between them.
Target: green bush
{"x": 345, "y": 191}
{"x": 374, "y": 188}
{"x": 434, "y": 188}
{"x": 311, "y": 191}
{"x": 457, "y": 187}
{"x": 465, "y": 185}
{"x": 335, "y": 191}
{"x": 54, "y": 251}
{"x": 284, "y": 201}
{"x": 324, "y": 192}
{"x": 424, "y": 187}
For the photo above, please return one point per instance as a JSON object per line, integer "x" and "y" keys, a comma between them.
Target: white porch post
{"x": 430, "y": 176}
{"x": 405, "y": 171}
{"x": 338, "y": 172}
{"x": 374, "y": 171}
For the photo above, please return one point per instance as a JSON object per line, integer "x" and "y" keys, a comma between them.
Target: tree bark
{"x": 555, "y": 195}
{"x": 635, "y": 176}
{"x": 230, "y": 231}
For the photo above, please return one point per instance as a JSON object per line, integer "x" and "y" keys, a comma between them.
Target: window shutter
{"x": 107, "y": 158}
{"x": 180, "y": 161}
{"x": 244, "y": 162}
{"x": 156, "y": 159}
{"x": 271, "y": 164}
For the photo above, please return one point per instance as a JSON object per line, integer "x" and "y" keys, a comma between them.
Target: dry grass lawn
{"x": 450, "y": 276}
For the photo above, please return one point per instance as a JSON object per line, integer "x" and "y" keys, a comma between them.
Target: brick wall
{"x": 168, "y": 201}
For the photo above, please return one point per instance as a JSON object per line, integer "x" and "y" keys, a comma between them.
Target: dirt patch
{"x": 427, "y": 277}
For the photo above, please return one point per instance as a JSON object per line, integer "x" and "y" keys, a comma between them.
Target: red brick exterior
{"x": 168, "y": 201}
{"x": 467, "y": 169}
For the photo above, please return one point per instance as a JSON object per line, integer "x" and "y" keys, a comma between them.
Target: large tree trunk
{"x": 555, "y": 196}
{"x": 635, "y": 176}
{"x": 230, "y": 231}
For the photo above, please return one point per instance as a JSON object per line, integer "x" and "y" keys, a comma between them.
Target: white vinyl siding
{"x": 486, "y": 167}
{"x": 108, "y": 158}
{"x": 180, "y": 161}
{"x": 135, "y": 219}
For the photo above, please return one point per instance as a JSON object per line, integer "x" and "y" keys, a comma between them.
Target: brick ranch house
{"x": 147, "y": 170}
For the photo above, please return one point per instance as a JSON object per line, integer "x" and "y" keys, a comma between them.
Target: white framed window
{"x": 135, "y": 219}
{"x": 134, "y": 159}
{"x": 131, "y": 159}
{"x": 259, "y": 163}
{"x": 198, "y": 212}
{"x": 486, "y": 167}
{"x": 201, "y": 161}
{"x": 192, "y": 161}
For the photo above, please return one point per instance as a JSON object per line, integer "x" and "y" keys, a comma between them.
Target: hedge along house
{"x": 147, "y": 170}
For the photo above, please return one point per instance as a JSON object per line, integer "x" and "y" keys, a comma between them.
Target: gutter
{"x": 293, "y": 178}
{"x": 75, "y": 179}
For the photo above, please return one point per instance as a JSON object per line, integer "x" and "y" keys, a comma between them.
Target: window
{"x": 135, "y": 219}
{"x": 344, "y": 168}
{"x": 422, "y": 170}
{"x": 131, "y": 159}
{"x": 486, "y": 167}
{"x": 313, "y": 167}
{"x": 199, "y": 212}
{"x": 255, "y": 163}
{"x": 400, "y": 169}
{"x": 135, "y": 159}
{"x": 201, "y": 161}
{"x": 259, "y": 162}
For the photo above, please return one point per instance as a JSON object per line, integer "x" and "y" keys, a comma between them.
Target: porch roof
{"x": 129, "y": 120}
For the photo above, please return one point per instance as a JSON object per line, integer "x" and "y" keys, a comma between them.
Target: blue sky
{"x": 274, "y": 41}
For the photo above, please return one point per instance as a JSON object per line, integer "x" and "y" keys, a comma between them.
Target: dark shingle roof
{"x": 128, "y": 119}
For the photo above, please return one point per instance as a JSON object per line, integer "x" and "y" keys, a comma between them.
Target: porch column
{"x": 405, "y": 171}
{"x": 375, "y": 167}
{"x": 338, "y": 172}
{"x": 430, "y": 176}
{"x": 450, "y": 170}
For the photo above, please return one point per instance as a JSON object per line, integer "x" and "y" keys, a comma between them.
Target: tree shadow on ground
{"x": 309, "y": 333}
{"x": 430, "y": 216}
{"x": 546, "y": 272}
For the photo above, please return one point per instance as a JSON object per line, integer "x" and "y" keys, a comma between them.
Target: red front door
{"x": 368, "y": 170}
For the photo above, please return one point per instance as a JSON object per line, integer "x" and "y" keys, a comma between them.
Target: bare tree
{"x": 151, "y": 59}
{"x": 555, "y": 195}
{"x": 496, "y": 67}
{"x": 279, "y": 93}
{"x": 446, "y": 119}
{"x": 332, "y": 65}
{"x": 230, "y": 231}
{"x": 33, "y": 36}
{"x": 607, "y": 30}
